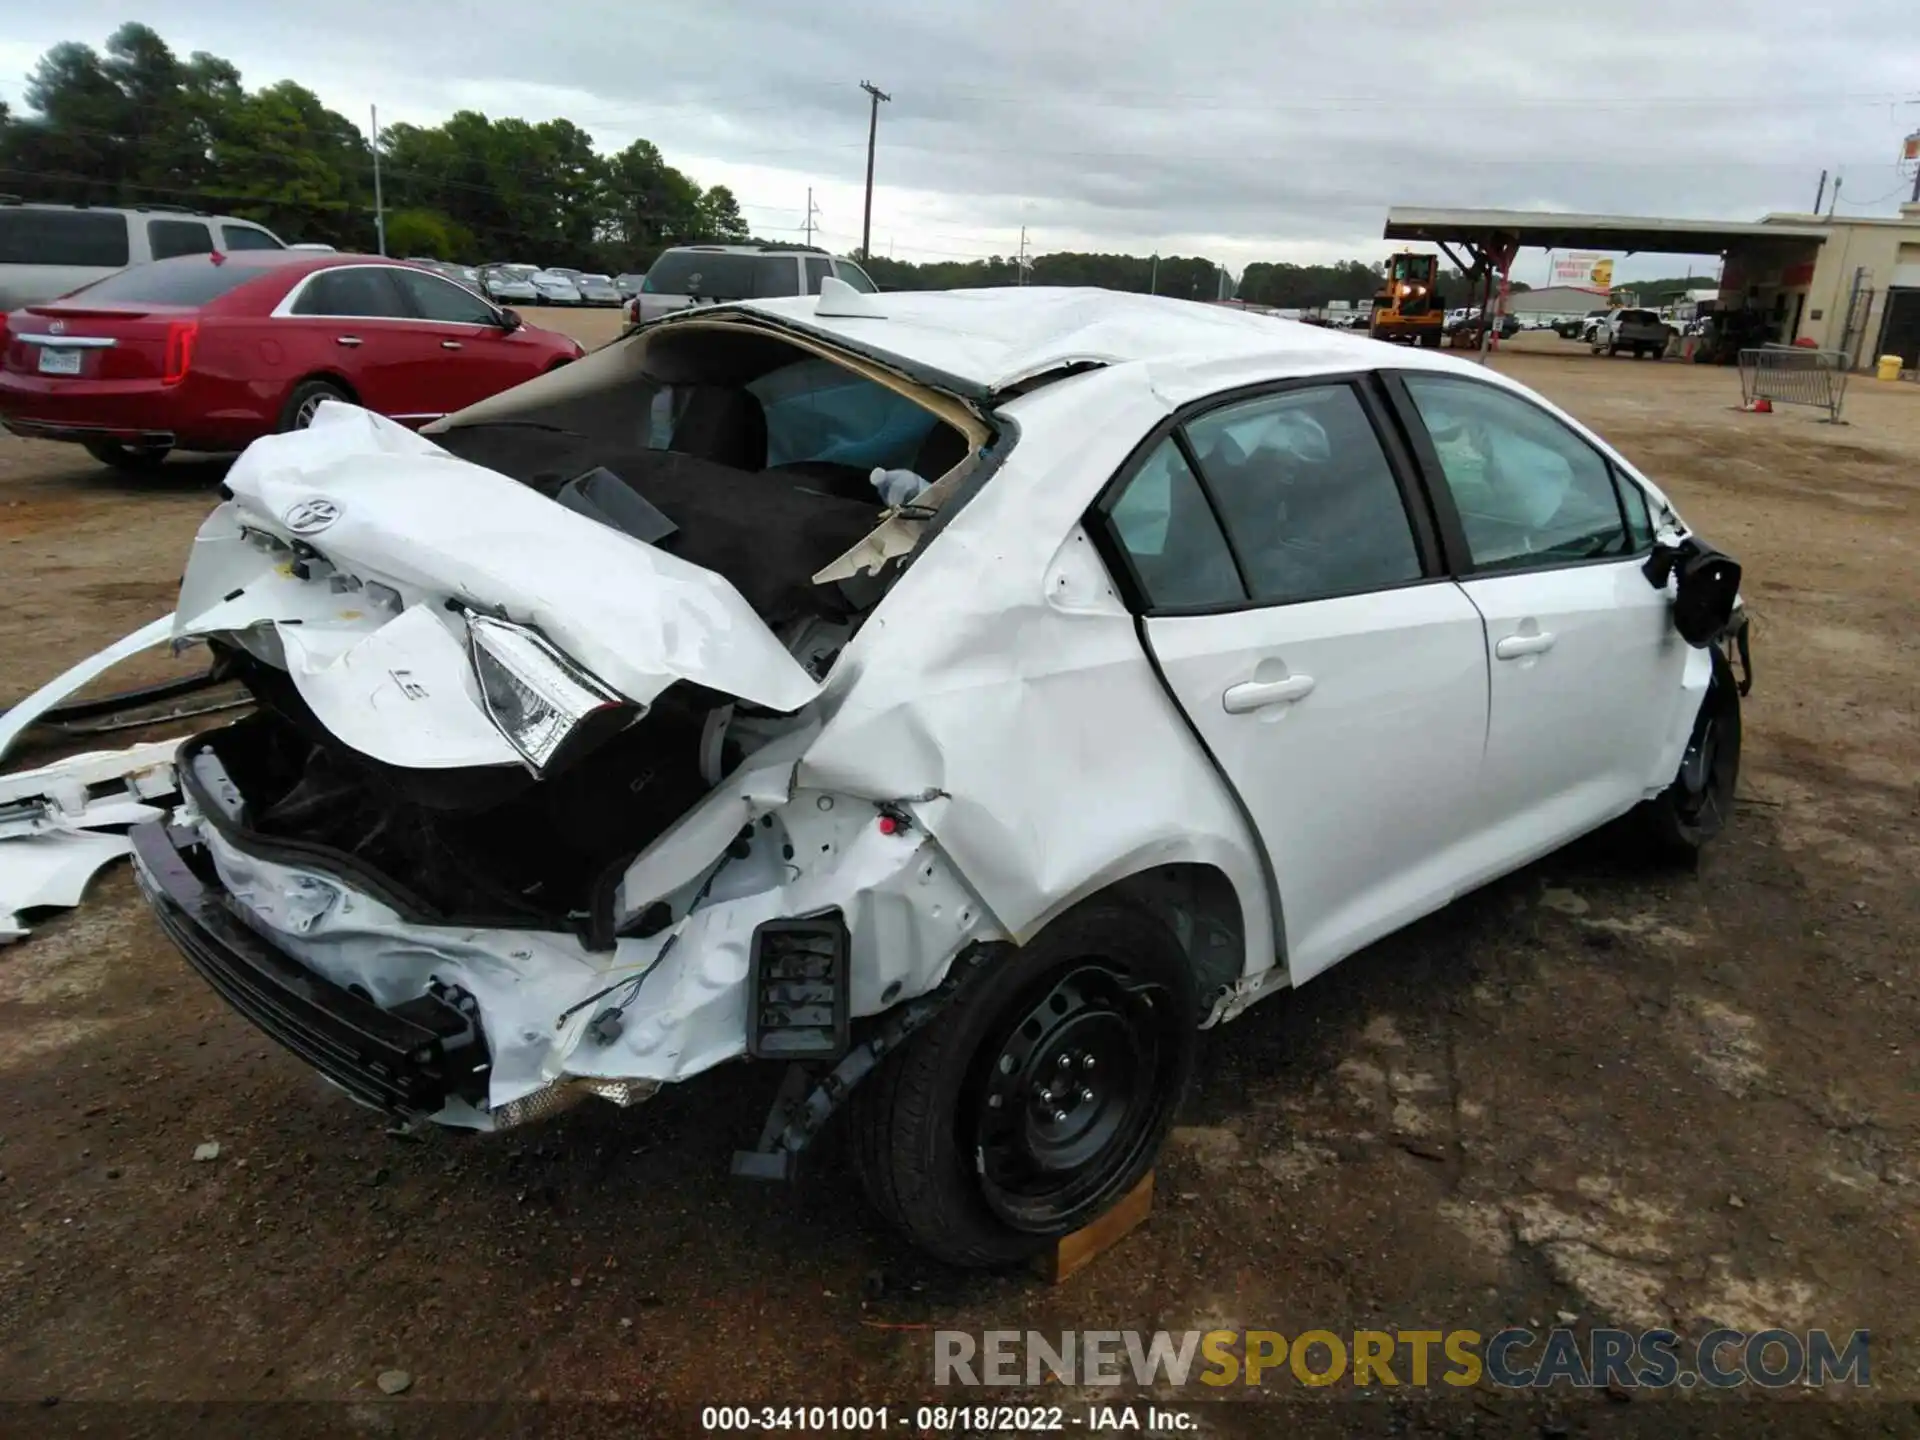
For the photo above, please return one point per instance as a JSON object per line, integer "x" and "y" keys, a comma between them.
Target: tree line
{"x": 135, "y": 124}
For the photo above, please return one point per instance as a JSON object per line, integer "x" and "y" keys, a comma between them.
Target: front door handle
{"x": 1513, "y": 647}
{"x": 347, "y": 340}
{"x": 449, "y": 344}
{"x": 1258, "y": 694}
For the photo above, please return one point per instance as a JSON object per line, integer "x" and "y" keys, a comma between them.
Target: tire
{"x": 960, "y": 1139}
{"x": 297, "y": 413}
{"x": 137, "y": 459}
{"x": 1613, "y": 351}
{"x": 1685, "y": 817}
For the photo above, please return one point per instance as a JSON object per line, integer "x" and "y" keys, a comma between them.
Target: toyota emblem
{"x": 310, "y": 517}
{"x": 58, "y": 327}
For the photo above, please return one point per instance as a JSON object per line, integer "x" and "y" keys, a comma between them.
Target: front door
{"x": 461, "y": 352}
{"x": 1338, "y": 679}
{"x": 1550, "y": 542}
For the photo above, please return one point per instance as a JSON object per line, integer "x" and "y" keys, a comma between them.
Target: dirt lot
{"x": 1631, "y": 1096}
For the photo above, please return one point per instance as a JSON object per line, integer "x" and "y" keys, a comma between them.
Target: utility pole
{"x": 1022, "y": 263}
{"x": 1836, "y": 197}
{"x": 812, "y": 210}
{"x": 873, "y": 130}
{"x": 379, "y": 209}
{"x": 1153, "y": 276}
{"x": 1820, "y": 194}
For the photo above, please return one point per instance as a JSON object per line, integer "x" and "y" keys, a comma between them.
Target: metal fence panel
{"x": 1795, "y": 375}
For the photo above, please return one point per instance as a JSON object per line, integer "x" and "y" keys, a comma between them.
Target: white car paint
{"x": 60, "y": 823}
{"x": 993, "y": 697}
{"x": 412, "y": 527}
{"x": 16, "y": 720}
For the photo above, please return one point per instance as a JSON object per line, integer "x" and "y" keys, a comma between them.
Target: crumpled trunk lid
{"x": 347, "y": 551}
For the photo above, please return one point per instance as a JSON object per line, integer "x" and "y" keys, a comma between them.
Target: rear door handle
{"x": 1513, "y": 647}
{"x": 1257, "y": 694}
{"x": 449, "y": 344}
{"x": 348, "y": 340}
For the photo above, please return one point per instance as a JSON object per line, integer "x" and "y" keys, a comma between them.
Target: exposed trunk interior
{"x": 743, "y": 454}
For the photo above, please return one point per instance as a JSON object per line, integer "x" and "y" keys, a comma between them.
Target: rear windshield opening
{"x": 187, "y": 282}
{"x": 754, "y": 457}
{"x": 62, "y": 237}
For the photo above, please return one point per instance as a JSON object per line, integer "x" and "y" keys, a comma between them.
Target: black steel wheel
{"x": 1040, "y": 1097}
{"x": 1697, "y": 805}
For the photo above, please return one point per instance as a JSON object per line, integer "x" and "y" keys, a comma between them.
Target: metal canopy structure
{"x": 1491, "y": 238}
{"x": 1489, "y": 230}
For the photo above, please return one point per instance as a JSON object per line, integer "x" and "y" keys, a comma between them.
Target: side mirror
{"x": 510, "y": 320}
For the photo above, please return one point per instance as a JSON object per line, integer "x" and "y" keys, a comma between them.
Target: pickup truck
{"x": 1640, "y": 331}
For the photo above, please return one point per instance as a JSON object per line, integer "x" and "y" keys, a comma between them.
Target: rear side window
{"x": 62, "y": 237}
{"x": 774, "y": 276}
{"x": 710, "y": 275}
{"x": 245, "y": 237}
{"x": 360, "y": 291}
{"x": 168, "y": 238}
{"x": 817, "y": 270}
{"x": 1172, "y": 541}
{"x": 1306, "y": 494}
{"x": 185, "y": 282}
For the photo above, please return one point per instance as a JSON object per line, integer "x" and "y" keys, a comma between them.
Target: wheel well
{"x": 1198, "y": 904}
{"x": 339, "y": 382}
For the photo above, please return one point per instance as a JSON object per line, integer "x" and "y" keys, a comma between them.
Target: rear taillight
{"x": 180, "y": 337}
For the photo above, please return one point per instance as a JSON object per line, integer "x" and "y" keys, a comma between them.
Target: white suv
{"x": 710, "y": 274}
{"x": 49, "y": 250}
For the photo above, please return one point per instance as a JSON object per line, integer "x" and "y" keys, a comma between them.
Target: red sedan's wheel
{"x": 305, "y": 402}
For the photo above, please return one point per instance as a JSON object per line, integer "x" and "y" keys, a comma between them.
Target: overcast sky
{"x": 1226, "y": 128}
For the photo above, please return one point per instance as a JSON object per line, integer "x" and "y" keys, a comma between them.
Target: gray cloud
{"x": 1239, "y": 129}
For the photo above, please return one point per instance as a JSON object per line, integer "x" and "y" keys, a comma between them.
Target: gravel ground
{"x": 1631, "y": 1096}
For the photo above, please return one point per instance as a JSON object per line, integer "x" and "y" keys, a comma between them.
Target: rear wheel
{"x": 1042, "y": 1096}
{"x": 138, "y": 458}
{"x": 306, "y": 400}
{"x": 1695, "y": 808}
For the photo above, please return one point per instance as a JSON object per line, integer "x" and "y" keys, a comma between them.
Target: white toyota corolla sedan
{"x": 959, "y": 699}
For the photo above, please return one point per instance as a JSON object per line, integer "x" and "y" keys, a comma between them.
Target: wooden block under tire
{"x": 1075, "y": 1251}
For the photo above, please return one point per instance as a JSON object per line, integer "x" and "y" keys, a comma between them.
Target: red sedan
{"x": 210, "y": 352}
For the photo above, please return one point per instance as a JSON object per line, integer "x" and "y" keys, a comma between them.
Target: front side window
{"x": 1163, "y": 522}
{"x": 168, "y": 238}
{"x": 437, "y": 299}
{"x": 1306, "y": 494}
{"x": 246, "y": 237}
{"x": 1529, "y": 491}
{"x": 356, "y": 291}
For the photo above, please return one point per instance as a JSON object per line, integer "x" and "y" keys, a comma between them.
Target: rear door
{"x": 460, "y": 353}
{"x": 345, "y": 319}
{"x": 1549, "y": 542}
{"x": 1295, "y": 603}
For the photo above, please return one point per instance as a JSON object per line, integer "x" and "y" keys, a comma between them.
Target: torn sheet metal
{"x": 29, "y": 710}
{"x": 394, "y": 530}
{"x": 60, "y": 824}
{"x": 681, "y": 993}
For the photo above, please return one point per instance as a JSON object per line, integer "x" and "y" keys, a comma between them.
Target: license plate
{"x": 55, "y": 361}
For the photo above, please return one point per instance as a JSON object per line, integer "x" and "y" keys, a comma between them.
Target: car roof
{"x": 991, "y": 340}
